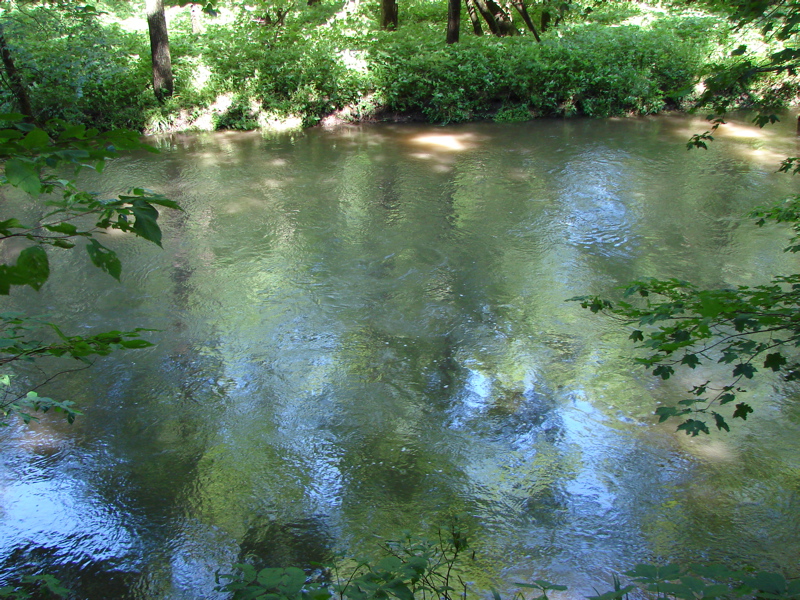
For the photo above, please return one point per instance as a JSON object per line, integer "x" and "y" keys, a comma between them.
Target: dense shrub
{"x": 593, "y": 70}
{"x": 78, "y": 69}
{"x": 284, "y": 71}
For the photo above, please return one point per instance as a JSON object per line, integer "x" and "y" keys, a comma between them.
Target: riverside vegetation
{"x": 240, "y": 65}
{"x": 79, "y": 72}
{"x": 413, "y": 568}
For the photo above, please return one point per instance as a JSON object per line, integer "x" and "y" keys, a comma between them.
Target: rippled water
{"x": 364, "y": 331}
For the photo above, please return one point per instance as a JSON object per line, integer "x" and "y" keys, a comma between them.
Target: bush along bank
{"x": 595, "y": 71}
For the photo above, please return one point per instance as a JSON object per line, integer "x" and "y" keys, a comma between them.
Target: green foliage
{"x": 698, "y": 582}
{"x": 761, "y": 71}
{"x": 304, "y": 67}
{"x": 275, "y": 584}
{"x": 595, "y": 71}
{"x": 423, "y": 12}
{"x": 746, "y": 328}
{"x": 513, "y": 114}
{"x": 416, "y": 569}
{"x": 34, "y": 586}
{"x": 31, "y": 157}
{"x": 410, "y": 568}
{"x": 540, "y": 585}
{"x": 610, "y": 13}
{"x": 17, "y": 343}
{"x": 76, "y": 68}
{"x": 787, "y": 211}
{"x": 35, "y": 162}
{"x": 281, "y": 71}
{"x": 444, "y": 83}
{"x": 238, "y": 116}
{"x": 31, "y": 402}
{"x": 611, "y": 71}
{"x": 412, "y": 575}
{"x": 282, "y": 58}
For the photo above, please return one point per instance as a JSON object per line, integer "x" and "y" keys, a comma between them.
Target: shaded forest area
{"x": 243, "y": 65}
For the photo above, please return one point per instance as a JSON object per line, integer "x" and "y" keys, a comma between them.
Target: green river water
{"x": 365, "y": 330}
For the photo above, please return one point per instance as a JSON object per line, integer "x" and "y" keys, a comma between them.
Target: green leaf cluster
{"x": 699, "y": 582}
{"x": 414, "y": 568}
{"x": 419, "y": 569}
{"x": 269, "y": 584}
{"x": 411, "y": 568}
{"x": 33, "y": 586}
{"x": 35, "y": 162}
{"x": 749, "y": 329}
{"x": 591, "y": 70}
{"x": 32, "y": 156}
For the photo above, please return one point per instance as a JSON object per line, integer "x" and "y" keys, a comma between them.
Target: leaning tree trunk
{"x": 487, "y": 16}
{"x": 473, "y": 17}
{"x": 503, "y": 19}
{"x": 520, "y": 6}
{"x": 389, "y": 14}
{"x": 17, "y": 86}
{"x": 453, "y": 20}
{"x": 159, "y": 49}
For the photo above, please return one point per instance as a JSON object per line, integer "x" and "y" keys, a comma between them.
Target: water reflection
{"x": 364, "y": 331}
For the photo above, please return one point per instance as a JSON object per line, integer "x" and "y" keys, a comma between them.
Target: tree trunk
{"x": 520, "y": 6}
{"x": 159, "y": 49}
{"x": 503, "y": 19}
{"x": 17, "y": 86}
{"x": 473, "y": 17}
{"x": 487, "y": 16}
{"x": 389, "y": 14}
{"x": 545, "y": 20}
{"x": 453, "y": 20}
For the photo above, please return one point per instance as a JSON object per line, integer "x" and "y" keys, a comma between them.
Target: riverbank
{"x": 591, "y": 70}
{"x": 633, "y": 68}
{"x": 320, "y": 65}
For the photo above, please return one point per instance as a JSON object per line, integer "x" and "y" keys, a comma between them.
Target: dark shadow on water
{"x": 305, "y": 543}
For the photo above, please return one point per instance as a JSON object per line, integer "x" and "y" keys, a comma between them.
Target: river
{"x": 364, "y": 330}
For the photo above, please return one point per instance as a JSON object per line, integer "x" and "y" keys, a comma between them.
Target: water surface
{"x": 365, "y": 330}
